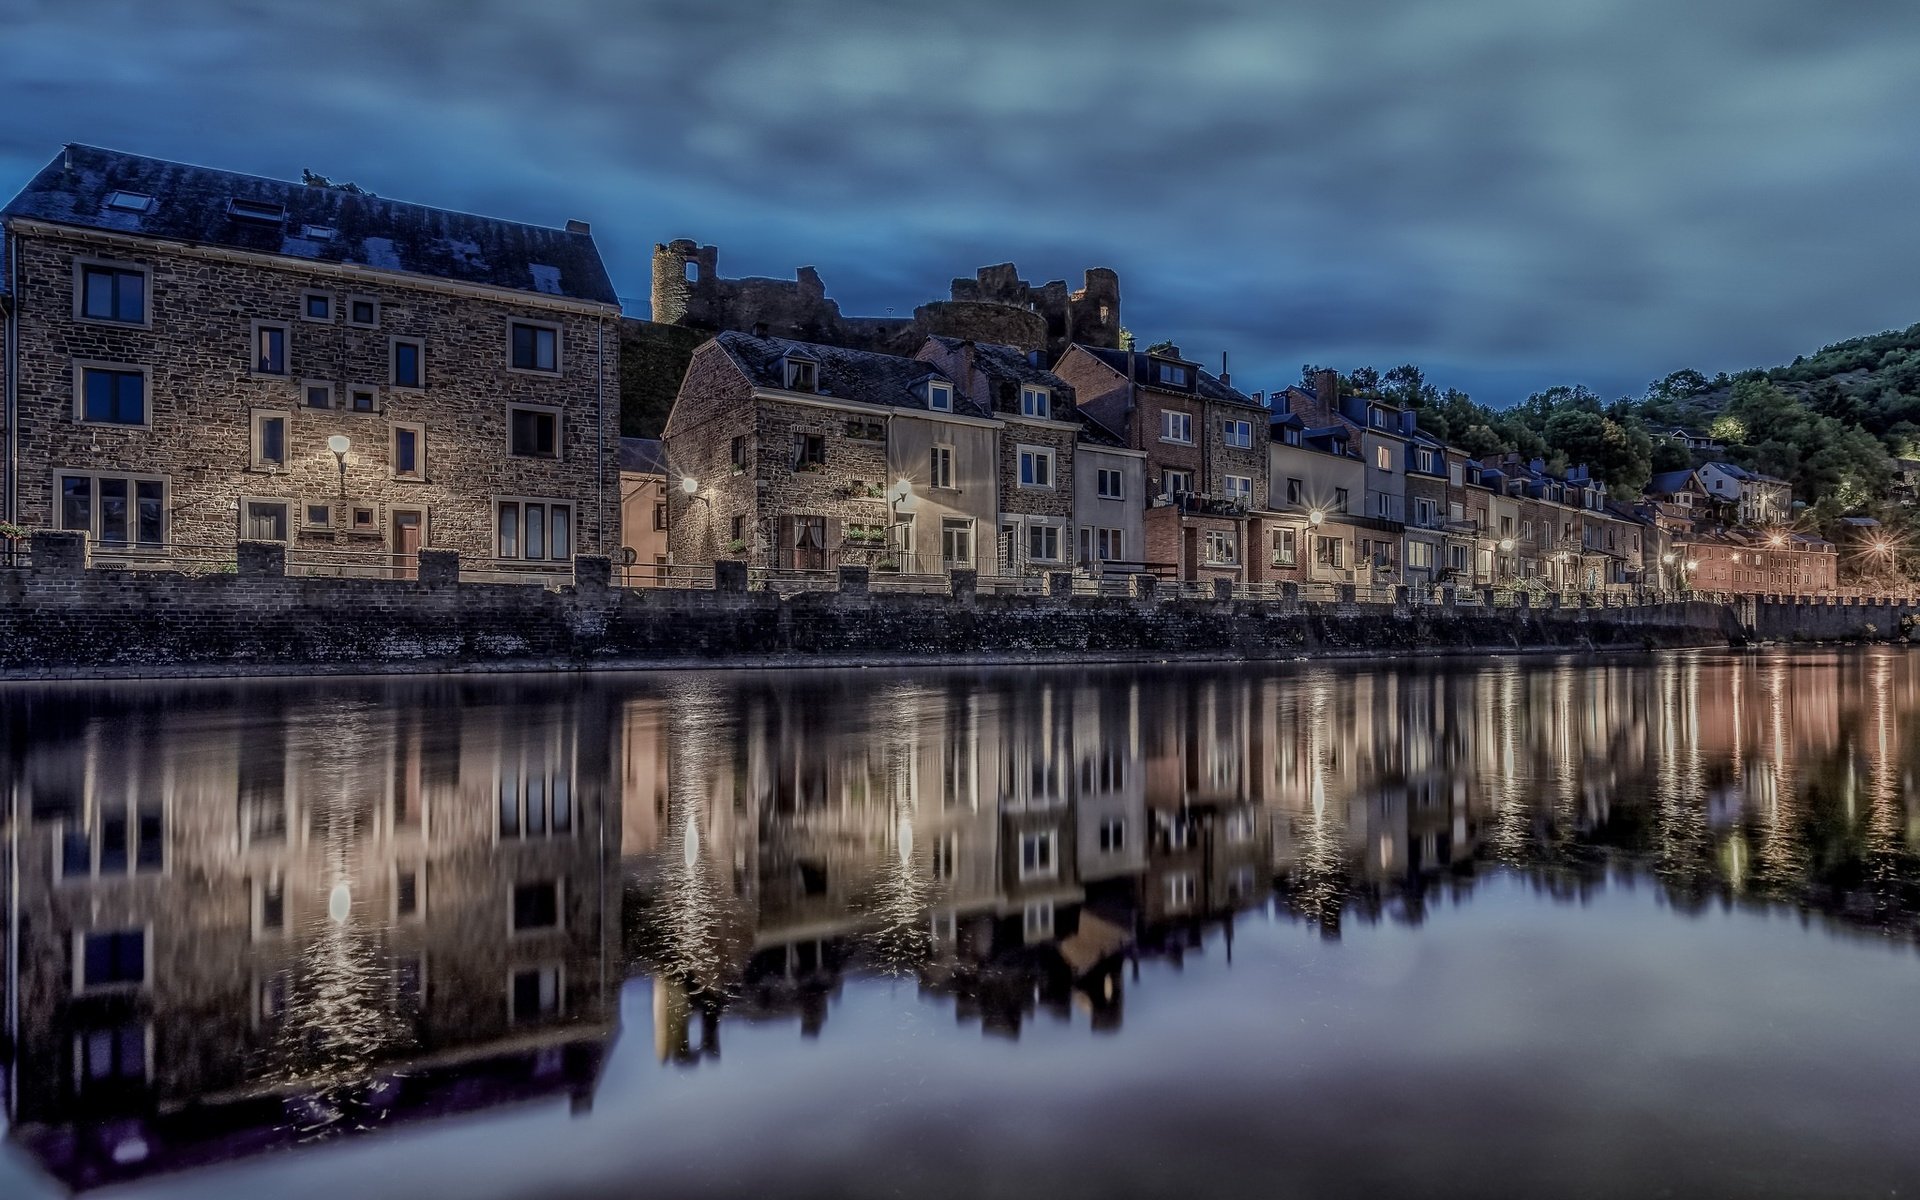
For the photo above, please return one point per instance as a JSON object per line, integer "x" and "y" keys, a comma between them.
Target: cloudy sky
{"x": 1512, "y": 193}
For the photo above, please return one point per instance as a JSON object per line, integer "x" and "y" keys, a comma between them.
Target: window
{"x": 1456, "y": 474}
{"x": 1172, "y": 374}
{"x": 1180, "y": 891}
{"x": 1329, "y": 552}
{"x": 940, "y": 467}
{"x": 1036, "y": 402}
{"x": 363, "y": 311}
{"x": 1425, "y": 512}
{"x": 1295, "y": 490}
{"x": 535, "y": 803}
{"x": 269, "y": 348}
{"x": 1113, "y": 835}
{"x": 108, "y": 292}
{"x": 122, "y": 839}
{"x": 737, "y": 527}
{"x": 262, "y": 212}
{"x": 1419, "y": 556}
{"x": 316, "y": 306}
{"x": 801, "y": 374}
{"x": 1221, "y": 548}
{"x": 1111, "y": 544}
{"x": 408, "y": 898}
{"x": 365, "y": 520}
{"x": 263, "y": 520}
{"x": 318, "y": 516}
{"x": 737, "y": 453}
{"x": 866, "y": 431}
{"x": 269, "y": 905}
{"x": 105, "y": 394}
{"x": 1290, "y": 436}
{"x": 409, "y": 443}
{"x": 1283, "y": 548}
{"x": 946, "y": 857}
{"x": 1177, "y": 483}
{"x": 1339, "y": 499}
{"x": 318, "y": 233}
{"x": 533, "y": 432}
{"x": 1108, "y": 484}
{"x": 1239, "y": 488}
{"x": 1036, "y": 855}
{"x": 1382, "y": 458}
{"x": 1036, "y": 921}
{"x": 407, "y": 362}
{"x": 1426, "y": 460}
{"x": 1036, "y": 467}
{"x": 809, "y": 452}
{"x": 533, "y": 346}
{"x": 1239, "y": 827}
{"x": 134, "y": 202}
{"x": 107, "y": 960}
{"x": 939, "y": 396}
{"x": 318, "y": 395}
{"x": 269, "y": 441}
{"x": 536, "y": 906}
{"x": 956, "y": 542}
{"x": 660, "y": 516}
{"x": 1237, "y": 434}
{"x": 116, "y": 510}
{"x": 1043, "y": 542}
{"x": 364, "y": 400}
{"x": 535, "y": 993}
{"x": 534, "y": 530}
{"x": 116, "y": 1054}
{"x": 1176, "y": 427}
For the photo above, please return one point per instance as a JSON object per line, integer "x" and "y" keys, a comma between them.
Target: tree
{"x": 1363, "y": 381}
{"x": 1669, "y": 455}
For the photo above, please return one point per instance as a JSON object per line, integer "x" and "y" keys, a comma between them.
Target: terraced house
{"x": 195, "y": 357}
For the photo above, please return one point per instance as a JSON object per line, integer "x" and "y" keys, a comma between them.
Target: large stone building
{"x": 194, "y": 357}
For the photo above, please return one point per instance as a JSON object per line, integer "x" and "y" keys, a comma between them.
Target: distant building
{"x": 1759, "y": 564}
{"x": 644, "y": 480}
{"x": 1756, "y": 499}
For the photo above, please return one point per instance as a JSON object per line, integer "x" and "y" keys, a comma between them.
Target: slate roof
{"x": 645, "y": 456}
{"x": 1668, "y": 483}
{"x": 862, "y": 376}
{"x": 1207, "y": 386}
{"x": 191, "y": 205}
{"x": 1744, "y": 475}
{"x": 1002, "y": 362}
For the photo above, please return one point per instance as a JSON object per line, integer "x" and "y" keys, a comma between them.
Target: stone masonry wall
{"x": 197, "y": 348}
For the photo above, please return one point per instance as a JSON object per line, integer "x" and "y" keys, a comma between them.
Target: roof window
{"x": 264, "y": 211}
{"x": 317, "y": 233}
{"x": 802, "y": 374}
{"x": 134, "y": 202}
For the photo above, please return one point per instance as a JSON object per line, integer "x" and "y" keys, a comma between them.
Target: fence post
{"x": 1059, "y": 584}
{"x": 1290, "y": 592}
{"x": 1449, "y": 596}
{"x": 60, "y": 551}
{"x": 1347, "y": 593}
{"x": 592, "y": 571}
{"x": 1402, "y": 597}
{"x": 1143, "y": 586}
{"x": 1223, "y": 590}
{"x": 260, "y": 560}
{"x": 854, "y": 580}
{"x": 965, "y": 584}
{"x": 730, "y": 575}
{"x": 440, "y": 567}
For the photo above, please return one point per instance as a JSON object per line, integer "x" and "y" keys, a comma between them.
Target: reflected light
{"x": 340, "y": 903}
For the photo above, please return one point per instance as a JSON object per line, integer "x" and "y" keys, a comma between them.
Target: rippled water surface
{"x": 1519, "y": 927}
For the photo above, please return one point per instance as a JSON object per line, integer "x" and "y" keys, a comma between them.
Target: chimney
{"x": 1326, "y": 389}
{"x": 579, "y": 227}
{"x": 1034, "y": 358}
{"x": 1226, "y": 377}
{"x": 759, "y": 329}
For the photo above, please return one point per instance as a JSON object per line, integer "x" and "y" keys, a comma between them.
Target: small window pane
{"x": 76, "y": 503}
{"x": 557, "y": 544}
{"x": 510, "y": 531}
{"x": 406, "y": 452}
{"x": 319, "y": 307}
{"x": 319, "y": 396}
{"x": 536, "y": 530}
{"x": 270, "y": 355}
{"x": 406, "y": 364}
{"x": 509, "y": 804}
{"x": 113, "y": 511}
{"x": 273, "y": 441}
{"x": 149, "y": 498}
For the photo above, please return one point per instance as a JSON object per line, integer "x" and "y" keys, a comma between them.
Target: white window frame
{"x": 939, "y": 395}
{"x": 80, "y": 368}
{"x": 940, "y": 466}
{"x": 1220, "y": 537}
{"x": 1237, "y": 434}
{"x": 793, "y": 367}
{"x": 559, "y": 432}
{"x": 1033, "y": 456}
{"x": 1050, "y": 869}
{"x": 133, "y": 478}
{"x": 1286, "y": 547}
{"x": 394, "y": 342}
{"x": 1119, "y": 483}
{"x": 333, "y": 306}
{"x": 1116, "y": 842}
{"x": 573, "y": 539}
{"x": 1456, "y": 474}
{"x": 1172, "y": 422}
{"x": 1043, "y": 528}
{"x": 559, "y": 348}
{"x": 255, "y": 328}
{"x": 1111, "y": 544}
{"x": 80, "y": 265}
{"x": 1036, "y": 402}
{"x": 419, "y": 431}
{"x": 255, "y": 460}
{"x": 952, "y": 525}
{"x": 1238, "y": 487}
{"x": 1166, "y": 482}
{"x": 347, "y": 311}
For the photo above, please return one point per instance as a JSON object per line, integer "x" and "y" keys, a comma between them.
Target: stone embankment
{"x": 61, "y": 617}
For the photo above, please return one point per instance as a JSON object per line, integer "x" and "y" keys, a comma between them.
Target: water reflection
{"x": 246, "y": 917}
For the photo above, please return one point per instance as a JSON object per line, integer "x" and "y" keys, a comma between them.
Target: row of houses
{"x": 194, "y": 357}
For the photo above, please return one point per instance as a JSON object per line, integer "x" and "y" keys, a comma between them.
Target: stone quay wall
{"x": 1828, "y": 618}
{"x": 61, "y": 618}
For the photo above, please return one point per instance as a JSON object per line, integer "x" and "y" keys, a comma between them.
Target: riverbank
{"x": 65, "y": 620}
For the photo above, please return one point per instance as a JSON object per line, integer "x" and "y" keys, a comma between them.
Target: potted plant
{"x": 737, "y": 546}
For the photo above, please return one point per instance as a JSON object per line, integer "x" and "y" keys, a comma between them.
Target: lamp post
{"x": 1506, "y": 563}
{"x": 339, "y": 443}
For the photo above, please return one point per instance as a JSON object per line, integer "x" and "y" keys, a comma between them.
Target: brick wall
{"x": 202, "y": 396}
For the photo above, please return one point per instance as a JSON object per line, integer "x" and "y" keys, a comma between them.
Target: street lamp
{"x": 1315, "y": 517}
{"x": 689, "y": 484}
{"x": 339, "y": 443}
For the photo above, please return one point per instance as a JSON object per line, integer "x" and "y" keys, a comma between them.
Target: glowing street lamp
{"x": 339, "y": 443}
{"x": 689, "y": 484}
{"x": 1316, "y": 517}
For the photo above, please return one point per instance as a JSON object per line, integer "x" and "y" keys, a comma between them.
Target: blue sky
{"x": 1509, "y": 192}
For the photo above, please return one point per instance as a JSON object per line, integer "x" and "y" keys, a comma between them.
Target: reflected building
{"x": 293, "y": 913}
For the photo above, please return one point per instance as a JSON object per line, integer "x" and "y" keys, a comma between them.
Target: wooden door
{"x": 406, "y": 545}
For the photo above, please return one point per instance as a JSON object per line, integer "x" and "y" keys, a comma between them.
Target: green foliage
{"x": 653, "y": 359}
{"x": 1161, "y": 347}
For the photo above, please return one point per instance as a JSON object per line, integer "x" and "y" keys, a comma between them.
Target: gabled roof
{"x": 1206, "y": 385}
{"x": 1668, "y": 483}
{"x": 191, "y": 204}
{"x": 862, "y": 376}
{"x": 1002, "y": 362}
{"x": 644, "y": 456}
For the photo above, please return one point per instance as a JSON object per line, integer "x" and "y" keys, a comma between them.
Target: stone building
{"x": 644, "y": 479}
{"x": 1311, "y": 531}
{"x": 1779, "y": 563}
{"x": 1382, "y": 432}
{"x": 1425, "y": 552}
{"x": 1206, "y": 452}
{"x": 806, "y": 457}
{"x": 995, "y": 306}
{"x": 196, "y": 356}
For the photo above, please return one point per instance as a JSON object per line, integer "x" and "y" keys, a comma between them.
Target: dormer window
{"x": 1172, "y": 374}
{"x": 1290, "y": 436}
{"x": 1379, "y": 418}
{"x": 1036, "y": 402}
{"x": 939, "y": 396}
{"x": 802, "y": 374}
{"x": 317, "y": 233}
{"x": 133, "y": 202}
{"x": 264, "y": 212}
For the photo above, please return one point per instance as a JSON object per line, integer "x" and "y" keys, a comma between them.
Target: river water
{"x": 1507, "y": 927}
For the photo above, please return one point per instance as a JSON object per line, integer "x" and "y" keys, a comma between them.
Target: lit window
{"x": 1383, "y": 458}
{"x": 534, "y": 347}
{"x": 1036, "y": 402}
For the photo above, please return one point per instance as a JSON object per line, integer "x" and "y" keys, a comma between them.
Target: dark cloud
{"x": 1513, "y": 193}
